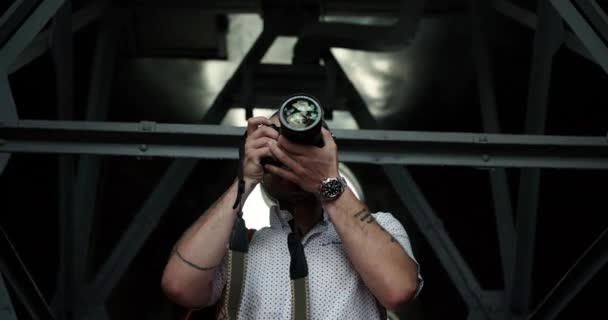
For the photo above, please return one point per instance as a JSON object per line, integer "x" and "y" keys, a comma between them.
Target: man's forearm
{"x": 189, "y": 273}
{"x": 379, "y": 259}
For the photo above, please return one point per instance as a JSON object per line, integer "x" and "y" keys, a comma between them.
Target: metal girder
{"x": 8, "y": 110}
{"x": 77, "y": 222}
{"x": 592, "y": 261}
{"x": 216, "y": 112}
{"x": 40, "y": 44}
{"x": 21, "y": 281}
{"x": 421, "y": 211}
{"x": 6, "y": 306}
{"x": 330, "y": 7}
{"x": 501, "y": 194}
{"x": 61, "y": 53}
{"x": 529, "y": 19}
{"x": 13, "y": 17}
{"x": 592, "y": 40}
{"x": 594, "y": 15}
{"x": 547, "y": 40}
{"x": 8, "y": 114}
{"x": 314, "y": 38}
{"x": 358, "y": 146}
{"x": 88, "y": 171}
{"x": 28, "y": 30}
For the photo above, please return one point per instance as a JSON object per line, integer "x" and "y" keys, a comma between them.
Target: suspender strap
{"x": 234, "y": 285}
{"x": 298, "y": 272}
{"x": 300, "y": 294}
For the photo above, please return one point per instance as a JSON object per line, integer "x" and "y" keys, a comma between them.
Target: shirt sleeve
{"x": 395, "y": 229}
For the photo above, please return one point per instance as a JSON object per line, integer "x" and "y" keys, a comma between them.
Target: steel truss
{"x": 22, "y": 41}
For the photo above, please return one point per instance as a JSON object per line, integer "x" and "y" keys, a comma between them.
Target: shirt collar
{"x": 279, "y": 219}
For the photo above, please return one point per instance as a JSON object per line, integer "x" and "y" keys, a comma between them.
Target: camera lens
{"x": 301, "y": 118}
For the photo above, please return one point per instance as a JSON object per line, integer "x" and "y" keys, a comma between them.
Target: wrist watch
{"x": 332, "y": 188}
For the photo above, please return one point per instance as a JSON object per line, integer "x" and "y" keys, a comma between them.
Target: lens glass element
{"x": 301, "y": 113}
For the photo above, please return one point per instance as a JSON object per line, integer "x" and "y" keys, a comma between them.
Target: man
{"x": 358, "y": 262}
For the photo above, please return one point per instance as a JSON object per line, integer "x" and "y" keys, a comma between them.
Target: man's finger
{"x": 284, "y": 158}
{"x": 264, "y": 131}
{"x": 292, "y": 147}
{"x": 259, "y": 143}
{"x": 254, "y": 122}
{"x": 328, "y": 137}
{"x": 285, "y": 174}
{"x": 261, "y": 153}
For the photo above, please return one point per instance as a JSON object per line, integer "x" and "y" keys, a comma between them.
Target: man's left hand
{"x": 306, "y": 165}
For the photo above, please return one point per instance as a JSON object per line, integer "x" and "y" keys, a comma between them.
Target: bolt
{"x": 147, "y": 125}
{"x": 485, "y": 158}
{"x": 483, "y": 139}
{"x": 143, "y": 147}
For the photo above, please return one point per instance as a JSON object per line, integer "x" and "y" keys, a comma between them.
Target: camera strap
{"x": 237, "y": 259}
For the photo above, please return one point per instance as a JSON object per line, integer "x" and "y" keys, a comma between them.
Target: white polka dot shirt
{"x": 336, "y": 290}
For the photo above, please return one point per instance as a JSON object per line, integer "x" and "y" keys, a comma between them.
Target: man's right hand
{"x": 259, "y": 133}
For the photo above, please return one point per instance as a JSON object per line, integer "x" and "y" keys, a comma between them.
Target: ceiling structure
{"x": 480, "y": 124}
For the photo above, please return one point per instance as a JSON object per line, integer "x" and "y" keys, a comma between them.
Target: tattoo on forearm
{"x": 195, "y": 266}
{"x": 362, "y": 211}
{"x": 366, "y": 216}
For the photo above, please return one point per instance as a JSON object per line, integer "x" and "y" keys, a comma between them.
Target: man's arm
{"x": 385, "y": 267}
{"x": 192, "y": 268}
{"x": 190, "y": 271}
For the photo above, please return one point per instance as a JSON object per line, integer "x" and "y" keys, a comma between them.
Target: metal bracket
{"x": 148, "y": 126}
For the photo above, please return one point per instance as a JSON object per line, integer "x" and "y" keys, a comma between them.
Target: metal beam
{"x": 8, "y": 110}
{"x": 21, "y": 281}
{"x": 529, "y": 19}
{"x": 40, "y": 44}
{"x": 8, "y": 114}
{"x": 77, "y": 222}
{"x": 594, "y": 15}
{"x": 418, "y": 206}
{"x": 13, "y": 17}
{"x": 217, "y": 110}
{"x": 6, "y": 306}
{"x": 28, "y": 30}
{"x": 586, "y": 33}
{"x": 61, "y": 53}
{"x": 87, "y": 180}
{"x": 592, "y": 261}
{"x": 547, "y": 40}
{"x": 498, "y": 177}
{"x": 359, "y": 146}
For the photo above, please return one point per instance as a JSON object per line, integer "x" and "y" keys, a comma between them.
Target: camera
{"x": 301, "y": 118}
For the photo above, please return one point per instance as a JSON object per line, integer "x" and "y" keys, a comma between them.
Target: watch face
{"x": 301, "y": 113}
{"x": 331, "y": 189}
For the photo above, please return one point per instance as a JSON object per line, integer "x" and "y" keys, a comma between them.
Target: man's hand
{"x": 259, "y": 136}
{"x": 306, "y": 165}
